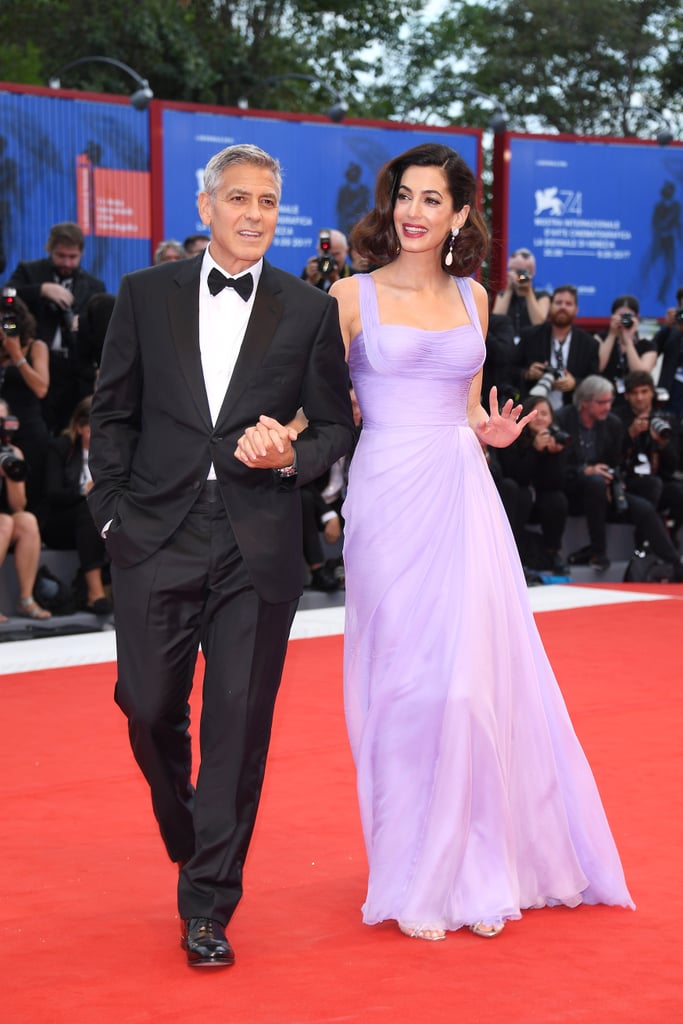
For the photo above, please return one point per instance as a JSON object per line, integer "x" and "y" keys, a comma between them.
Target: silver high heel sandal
{"x": 487, "y": 931}
{"x": 427, "y": 932}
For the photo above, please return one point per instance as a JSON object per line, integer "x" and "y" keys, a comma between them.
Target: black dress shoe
{"x": 323, "y": 579}
{"x": 205, "y": 943}
{"x": 581, "y": 557}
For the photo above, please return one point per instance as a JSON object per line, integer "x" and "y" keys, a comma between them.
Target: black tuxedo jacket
{"x": 535, "y": 347}
{"x": 152, "y": 436}
{"x": 609, "y": 442}
{"x": 27, "y": 279}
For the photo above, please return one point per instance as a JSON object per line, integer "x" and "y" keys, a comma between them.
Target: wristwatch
{"x": 287, "y": 471}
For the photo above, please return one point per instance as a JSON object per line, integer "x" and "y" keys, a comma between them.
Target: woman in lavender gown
{"x": 475, "y": 796}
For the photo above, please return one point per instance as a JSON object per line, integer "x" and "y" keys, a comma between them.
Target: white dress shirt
{"x": 223, "y": 320}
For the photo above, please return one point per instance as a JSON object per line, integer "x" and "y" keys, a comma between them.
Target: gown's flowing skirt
{"x": 475, "y": 796}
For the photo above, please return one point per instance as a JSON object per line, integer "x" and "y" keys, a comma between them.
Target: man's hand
{"x": 57, "y": 293}
{"x": 267, "y": 445}
{"x": 567, "y": 382}
{"x": 536, "y": 371}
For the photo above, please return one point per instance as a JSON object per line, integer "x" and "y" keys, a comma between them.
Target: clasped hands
{"x": 266, "y": 445}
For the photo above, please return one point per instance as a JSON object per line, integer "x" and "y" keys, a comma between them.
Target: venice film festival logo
{"x": 557, "y": 202}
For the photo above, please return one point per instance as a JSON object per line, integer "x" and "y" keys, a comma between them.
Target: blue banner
{"x": 605, "y": 216}
{"x": 74, "y": 160}
{"x": 329, "y": 171}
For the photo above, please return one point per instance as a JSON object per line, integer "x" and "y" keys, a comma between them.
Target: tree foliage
{"x": 571, "y": 66}
{"x": 574, "y": 66}
{"x": 206, "y": 51}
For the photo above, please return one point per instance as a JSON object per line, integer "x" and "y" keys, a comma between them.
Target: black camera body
{"x": 558, "y": 434}
{"x": 523, "y": 277}
{"x": 13, "y": 467}
{"x": 678, "y": 316}
{"x": 618, "y": 490}
{"x": 627, "y": 320}
{"x": 326, "y": 261}
{"x": 661, "y": 425}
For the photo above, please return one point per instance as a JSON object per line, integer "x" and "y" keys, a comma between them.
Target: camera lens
{"x": 627, "y": 320}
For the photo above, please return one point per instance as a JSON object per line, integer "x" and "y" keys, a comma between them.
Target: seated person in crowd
{"x": 69, "y": 523}
{"x": 621, "y": 350}
{"x": 669, "y": 343}
{"x": 321, "y": 502}
{"x": 523, "y": 306}
{"x": 594, "y": 479}
{"x": 554, "y": 357}
{"x": 24, "y": 382}
{"x": 670, "y": 315}
{"x": 535, "y": 462}
{"x": 169, "y": 251}
{"x": 195, "y": 243}
{"x": 18, "y": 528}
{"x": 330, "y": 262}
{"x": 92, "y": 327}
{"x": 499, "y": 363}
{"x": 651, "y": 449}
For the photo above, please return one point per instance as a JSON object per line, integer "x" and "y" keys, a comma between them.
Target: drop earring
{"x": 448, "y": 258}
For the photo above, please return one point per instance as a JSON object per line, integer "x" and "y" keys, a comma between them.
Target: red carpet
{"x": 88, "y": 929}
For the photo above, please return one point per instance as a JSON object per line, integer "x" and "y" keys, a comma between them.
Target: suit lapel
{"x": 183, "y": 308}
{"x": 265, "y": 316}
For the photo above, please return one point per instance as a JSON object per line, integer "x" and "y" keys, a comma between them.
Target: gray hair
{"x": 169, "y": 245}
{"x": 592, "y": 387}
{"x": 242, "y": 154}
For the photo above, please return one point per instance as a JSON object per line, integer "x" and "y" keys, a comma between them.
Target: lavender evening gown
{"x": 475, "y": 796}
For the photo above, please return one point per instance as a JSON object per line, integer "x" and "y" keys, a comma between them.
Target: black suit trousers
{"x": 196, "y": 590}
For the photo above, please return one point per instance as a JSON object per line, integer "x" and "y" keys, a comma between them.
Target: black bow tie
{"x": 243, "y": 285}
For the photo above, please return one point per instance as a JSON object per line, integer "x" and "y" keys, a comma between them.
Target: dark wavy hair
{"x": 375, "y": 238}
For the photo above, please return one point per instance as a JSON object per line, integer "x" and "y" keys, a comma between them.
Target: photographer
{"x": 24, "y": 381}
{"x": 669, "y": 342}
{"x": 523, "y": 306}
{"x": 18, "y": 528}
{"x": 651, "y": 449}
{"x": 594, "y": 479}
{"x": 536, "y": 462}
{"x": 330, "y": 263}
{"x": 554, "y": 357}
{"x": 56, "y": 290}
{"x": 621, "y": 351}
{"x": 69, "y": 523}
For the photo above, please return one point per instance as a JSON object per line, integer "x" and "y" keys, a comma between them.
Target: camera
{"x": 678, "y": 316}
{"x": 661, "y": 426}
{"x": 8, "y": 316}
{"x": 326, "y": 261}
{"x": 558, "y": 434}
{"x": 523, "y": 277}
{"x": 544, "y": 385}
{"x": 627, "y": 320}
{"x": 618, "y": 490}
{"x": 13, "y": 467}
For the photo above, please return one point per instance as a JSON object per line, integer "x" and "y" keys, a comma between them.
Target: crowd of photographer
{"x": 605, "y": 442}
{"x": 604, "y": 445}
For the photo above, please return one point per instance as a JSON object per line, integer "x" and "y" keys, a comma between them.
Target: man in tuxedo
{"x": 196, "y": 474}
{"x": 554, "y": 357}
{"x": 56, "y": 290}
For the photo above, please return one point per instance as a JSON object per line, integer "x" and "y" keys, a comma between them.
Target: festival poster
{"x": 604, "y": 215}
